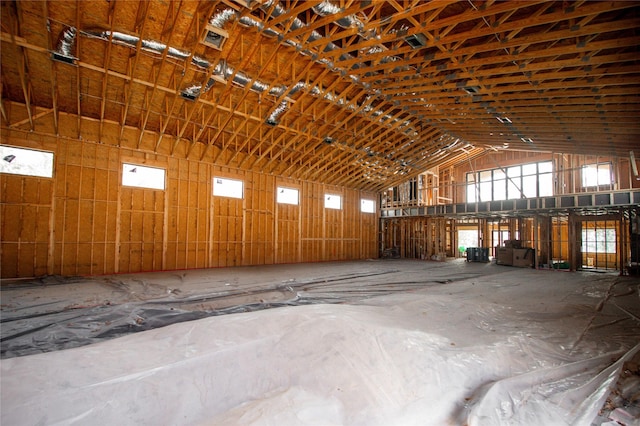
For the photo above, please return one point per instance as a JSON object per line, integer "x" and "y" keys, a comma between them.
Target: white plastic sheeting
{"x": 520, "y": 347}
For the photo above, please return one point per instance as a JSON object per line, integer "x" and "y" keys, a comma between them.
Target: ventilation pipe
{"x": 152, "y": 46}
{"x": 64, "y": 49}
{"x": 327, "y": 8}
{"x": 225, "y": 71}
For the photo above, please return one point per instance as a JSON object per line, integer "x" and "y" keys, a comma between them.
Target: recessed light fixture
{"x": 504, "y": 120}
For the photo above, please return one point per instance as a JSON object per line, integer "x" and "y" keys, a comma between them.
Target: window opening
{"x": 467, "y": 238}
{"x": 599, "y": 243}
{"x": 527, "y": 180}
{"x": 224, "y": 187}
{"x": 367, "y": 206}
{"x": 26, "y": 162}
{"x": 287, "y": 195}
{"x": 594, "y": 175}
{"x": 142, "y": 176}
{"x": 332, "y": 201}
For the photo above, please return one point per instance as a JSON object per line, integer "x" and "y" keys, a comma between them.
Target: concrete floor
{"x": 435, "y": 342}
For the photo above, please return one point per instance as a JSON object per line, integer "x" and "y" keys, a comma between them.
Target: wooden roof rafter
{"x": 195, "y": 23}
{"x": 22, "y": 65}
{"x": 326, "y": 128}
{"x": 169, "y": 28}
{"x": 316, "y": 101}
{"x": 561, "y": 72}
{"x": 140, "y": 22}
{"x": 223, "y": 93}
{"x": 107, "y": 60}
{"x": 278, "y": 101}
{"x": 53, "y": 68}
{"x": 233, "y": 108}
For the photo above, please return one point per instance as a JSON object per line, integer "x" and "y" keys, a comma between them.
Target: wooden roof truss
{"x": 363, "y": 94}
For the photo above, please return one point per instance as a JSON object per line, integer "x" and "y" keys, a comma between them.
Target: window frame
{"x": 585, "y": 179}
{"x": 283, "y": 189}
{"x": 228, "y": 193}
{"x": 133, "y": 165}
{"x": 327, "y": 197}
{"x": 362, "y": 205}
{"x": 26, "y": 169}
{"x": 487, "y": 185}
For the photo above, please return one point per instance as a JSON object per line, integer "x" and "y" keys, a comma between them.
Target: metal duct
{"x": 152, "y": 46}
{"x": 225, "y": 71}
{"x": 66, "y": 42}
{"x": 195, "y": 90}
{"x": 64, "y": 49}
{"x": 272, "y": 120}
{"x": 327, "y": 8}
{"x": 221, "y": 18}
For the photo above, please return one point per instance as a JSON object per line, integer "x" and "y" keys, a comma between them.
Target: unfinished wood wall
{"x": 567, "y": 170}
{"x": 419, "y": 237}
{"x": 84, "y": 222}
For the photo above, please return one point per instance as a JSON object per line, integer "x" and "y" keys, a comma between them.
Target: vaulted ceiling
{"x": 356, "y": 93}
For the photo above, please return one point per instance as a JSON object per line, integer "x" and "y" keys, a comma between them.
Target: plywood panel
{"x": 141, "y": 229}
{"x": 227, "y": 231}
{"x": 84, "y": 222}
{"x": 25, "y": 206}
{"x": 313, "y": 222}
{"x": 288, "y": 233}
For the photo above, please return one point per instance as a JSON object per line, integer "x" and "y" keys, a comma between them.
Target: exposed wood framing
{"x": 393, "y": 82}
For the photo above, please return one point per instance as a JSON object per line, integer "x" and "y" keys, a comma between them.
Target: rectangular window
{"x": 528, "y": 180}
{"x": 529, "y": 186}
{"x": 602, "y": 240}
{"x": 27, "y": 162}
{"x": 332, "y": 201}
{"x": 514, "y": 186}
{"x": 596, "y": 175}
{"x": 142, "y": 176}
{"x": 545, "y": 167}
{"x": 287, "y": 195}
{"x": 224, "y": 187}
{"x": 471, "y": 188}
{"x": 485, "y": 191}
{"x": 499, "y": 190}
{"x": 499, "y": 185}
{"x": 514, "y": 171}
{"x": 545, "y": 181}
{"x": 529, "y": 169}
{"x": 367, "y": 206}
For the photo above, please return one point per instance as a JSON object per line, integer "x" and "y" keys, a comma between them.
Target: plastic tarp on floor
{"x": 519, "y": 347}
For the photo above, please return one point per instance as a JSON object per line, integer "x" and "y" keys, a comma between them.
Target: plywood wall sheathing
{"x": 83, "y": 221}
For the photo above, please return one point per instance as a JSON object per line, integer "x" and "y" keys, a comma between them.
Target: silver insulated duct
{"x": 226, "y": 71}
{"x": 64, "y": 48}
